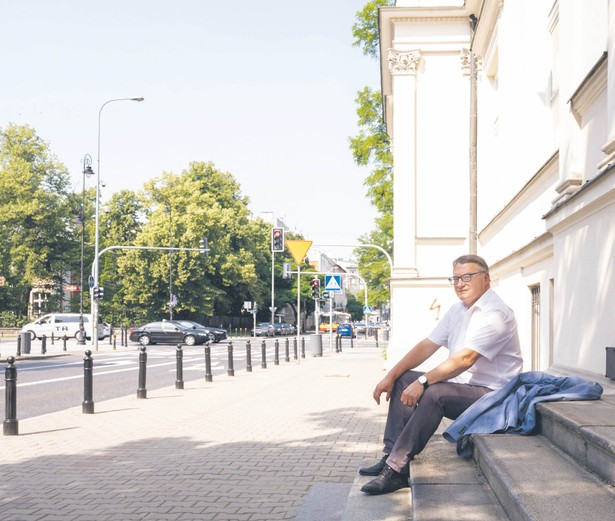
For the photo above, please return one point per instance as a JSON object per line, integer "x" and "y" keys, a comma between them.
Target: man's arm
{"x": 416, "y": 356}
{"x": 451, "y": 367}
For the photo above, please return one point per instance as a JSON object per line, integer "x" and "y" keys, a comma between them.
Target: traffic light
{"x": 203, "y": 246}
{"x": 98, "y": 293}
{"x": 277, "y": 239}
{"x": 315, "y": 288}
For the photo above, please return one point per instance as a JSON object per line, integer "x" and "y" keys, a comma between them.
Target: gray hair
{"x": 475, "y": 259}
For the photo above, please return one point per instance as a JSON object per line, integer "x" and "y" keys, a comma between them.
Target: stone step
{"x": 565, "y": 472}
{"x": 448, "y": 488}
{"x": 395, "y": 506}
{"x": 345, "y": 502}
{"x": 584, "y": 430}
{"x": 324, "y": 502}
{"x": 536, "y": 481}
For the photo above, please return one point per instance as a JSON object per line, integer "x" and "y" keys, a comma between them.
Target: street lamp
{"x": 96, "y": 242}
{"x": 167, "y": 209}
{"x": 87, "y": 171}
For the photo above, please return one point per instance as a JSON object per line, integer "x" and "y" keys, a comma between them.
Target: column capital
{"x": 403, "y": 62}
{"x": 466, "y": 62}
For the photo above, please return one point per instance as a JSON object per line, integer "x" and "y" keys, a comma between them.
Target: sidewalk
{"x": 244, "y": 447}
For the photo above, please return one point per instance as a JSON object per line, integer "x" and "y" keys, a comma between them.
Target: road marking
{"x": 96, "y": 373}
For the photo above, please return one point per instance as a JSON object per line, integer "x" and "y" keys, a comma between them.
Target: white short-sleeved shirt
{"x": 488, "y": 327}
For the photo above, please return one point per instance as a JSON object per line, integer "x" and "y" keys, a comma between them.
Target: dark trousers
{"x": 408, "y": 429}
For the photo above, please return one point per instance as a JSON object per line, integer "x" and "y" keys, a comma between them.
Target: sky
{"x": 264, "y": 90}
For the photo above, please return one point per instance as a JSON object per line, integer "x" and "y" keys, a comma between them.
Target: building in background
{"x": 502, "y": 120}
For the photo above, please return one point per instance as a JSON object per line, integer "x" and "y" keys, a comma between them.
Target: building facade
{"x": 501, "y": 115}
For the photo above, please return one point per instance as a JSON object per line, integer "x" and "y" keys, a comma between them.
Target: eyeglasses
{"x": 466, "y": 277}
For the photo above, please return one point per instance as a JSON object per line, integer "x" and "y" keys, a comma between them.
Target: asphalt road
{"x": 53, "y": 383}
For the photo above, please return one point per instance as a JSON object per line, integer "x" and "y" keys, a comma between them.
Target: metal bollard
{"x": 10, "y": 426}
{"x": 231, "y": 368}
{"x": 276, "y": 354}
{"x": 286, "y": 353}
{"x": 248, "y": 357}
{"x": 114, "y": 340}
{"x": 295, "y": 348}
{"x": 18, "y": 345}
{"x": 64, "y": 338}
{"x": 208, "y": 376}
{"x": 141, "y": 390}
{"x": 52, "y": 338}
{"x": 26, "y": 343}
{"x": 44, "y": 345}
{"x": 351, "y": 342}
{"x": 341, "y": 337}
{"x": 179, "y": 379}
{"x": 87, "y": 407}
{"x": 337, "y": 343}
{"x": 376, "y": 333}
{"x": 302, "y": 347}
{"x": 263, "y": 355}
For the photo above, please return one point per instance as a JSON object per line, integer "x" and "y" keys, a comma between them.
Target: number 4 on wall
{"x": 436, "y": 307}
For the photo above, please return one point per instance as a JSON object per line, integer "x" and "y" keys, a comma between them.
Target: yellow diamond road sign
{"x": 298, "y": 249}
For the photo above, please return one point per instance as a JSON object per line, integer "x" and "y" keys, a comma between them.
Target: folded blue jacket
{"x": 513, "y": 407}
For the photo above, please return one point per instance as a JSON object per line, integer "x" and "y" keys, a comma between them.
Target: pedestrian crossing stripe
{"x": 333, "y": 282}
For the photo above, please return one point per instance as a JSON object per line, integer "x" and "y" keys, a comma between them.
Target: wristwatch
{"x": 423, "y": 381}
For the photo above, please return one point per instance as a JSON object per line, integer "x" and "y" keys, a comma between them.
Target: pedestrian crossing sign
{"x": 333, "y": 282}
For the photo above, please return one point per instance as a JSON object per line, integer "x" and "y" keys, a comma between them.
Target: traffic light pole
{"x": 277, "y": 245}
{"x": 272, "y": 287}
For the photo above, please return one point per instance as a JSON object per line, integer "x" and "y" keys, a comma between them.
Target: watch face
{"x": 422, "y": 379}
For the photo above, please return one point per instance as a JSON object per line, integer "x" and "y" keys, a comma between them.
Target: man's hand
{"x": 385, "y": 386}
{"x": 412, "y": 394}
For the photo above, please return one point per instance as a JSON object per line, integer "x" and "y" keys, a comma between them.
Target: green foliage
{"x": 365, "y": 29}
{"x": 371, "y": 148}
{"x": 11, "y": 319}
{"x": 355, "y": 307}
{"x": 178, "y": 211}
{"x": 38, "y": 217}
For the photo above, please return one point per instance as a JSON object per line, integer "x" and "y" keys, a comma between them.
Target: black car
{"x": 215, "y": 334}
{"x": 279, "y": 329}
{"x": 167, "y": 332}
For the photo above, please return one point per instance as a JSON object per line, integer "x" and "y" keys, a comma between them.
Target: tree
{"x": 182, "y": 209}
{"x": 39, "y": 218}
{"x": 372, "y": 148}
{"x": 365, "y": 29}
{"x": 355, "y": 307}
{"x": 121, "y": 220}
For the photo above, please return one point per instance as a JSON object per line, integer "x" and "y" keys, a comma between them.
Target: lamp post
{"x": 87, "y": 171}
{"x": 96, "y": 242}
{"x": 168, "y": 210}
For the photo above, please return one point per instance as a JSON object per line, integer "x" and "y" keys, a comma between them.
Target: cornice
{"x": 487, "y": 21}
{"x": 590, "y": 88}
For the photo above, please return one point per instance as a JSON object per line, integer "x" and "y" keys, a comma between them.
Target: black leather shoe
{"x": 387, "y": 481}
{"x": 376, "y": 469}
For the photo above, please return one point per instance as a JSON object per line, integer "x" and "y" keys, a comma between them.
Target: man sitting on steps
{"x": 480, "y": 333}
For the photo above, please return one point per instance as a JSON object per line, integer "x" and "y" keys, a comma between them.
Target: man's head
{"x": 470, "y": 278}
